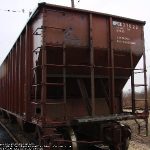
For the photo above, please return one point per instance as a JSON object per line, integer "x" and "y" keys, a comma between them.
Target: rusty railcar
{"x": 65, "y": 75}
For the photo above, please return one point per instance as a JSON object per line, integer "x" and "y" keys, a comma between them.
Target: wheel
{"x": 64, "y": 139}
{"x": 38, "y": 135}
{"x": 125, "y": 145}
{"x": 73, "y": 139}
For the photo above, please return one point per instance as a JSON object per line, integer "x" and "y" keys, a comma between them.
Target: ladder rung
{"x": 136, "y": 85}
{"x": 56, "y": 28}
{"x": 139, "y": 72}
{"x": 35, "y": 50}
{"x": 35, "y": 32}
{"x": 34, "y": 68}
{"x": 54, "y": 65}
{"x": 55, "y": 103}
{"x": 55, "y": 84}
{"x": 52, "y": 84}
{"x": 54, "y": 45}
{"x": 47, "y": 65}
{"x": 137, "y": 99}
{"x": 51, "y": 103}
{"x": 35, "y": 85}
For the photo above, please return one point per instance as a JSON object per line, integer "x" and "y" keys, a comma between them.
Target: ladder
{"x": 45, "y": 85}
{"x": 141, "y": 112}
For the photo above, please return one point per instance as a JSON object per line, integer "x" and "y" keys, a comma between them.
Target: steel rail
{"x": 9, "y": 133}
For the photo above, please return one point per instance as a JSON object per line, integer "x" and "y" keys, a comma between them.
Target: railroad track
{"x": 9, "y": 140}
{"x": 6, "y": 135}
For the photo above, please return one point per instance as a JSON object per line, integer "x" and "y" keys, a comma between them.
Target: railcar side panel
{"x": 68, "y": 36}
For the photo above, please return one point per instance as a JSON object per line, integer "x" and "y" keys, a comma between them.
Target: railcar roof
{"x": 46, "y": 5}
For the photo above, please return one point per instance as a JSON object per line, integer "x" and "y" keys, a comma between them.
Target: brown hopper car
{"x": 65, "y": 74}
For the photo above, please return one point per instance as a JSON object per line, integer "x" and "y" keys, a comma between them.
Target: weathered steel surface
{"x": 58, "y": 47}
{"x": 103, "y": 119}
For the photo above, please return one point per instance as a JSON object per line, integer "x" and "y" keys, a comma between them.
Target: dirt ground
{"x": 139, "y": 142}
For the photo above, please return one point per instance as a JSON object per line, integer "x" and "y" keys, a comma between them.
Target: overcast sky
{"x": 15, "y": 13}
{"x": 13, "y": 22}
